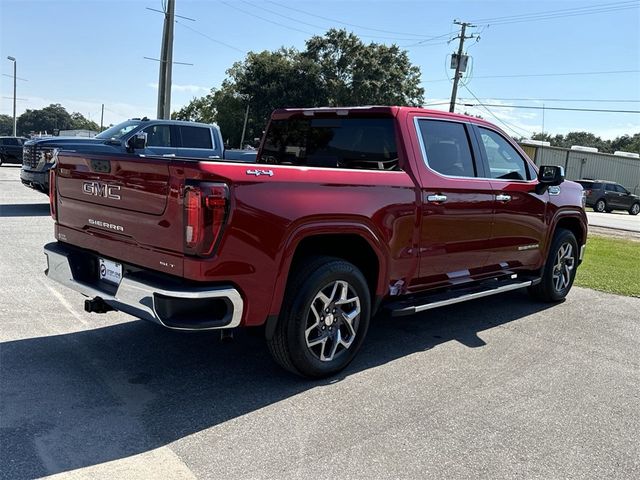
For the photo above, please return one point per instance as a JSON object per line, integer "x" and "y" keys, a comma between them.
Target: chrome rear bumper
{"x": 151, "y": 300}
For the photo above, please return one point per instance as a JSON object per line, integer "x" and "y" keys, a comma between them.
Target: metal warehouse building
{"x": 624, "y": 170}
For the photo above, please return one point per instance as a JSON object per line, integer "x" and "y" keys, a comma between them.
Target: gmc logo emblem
{"x": 98, "y": 189}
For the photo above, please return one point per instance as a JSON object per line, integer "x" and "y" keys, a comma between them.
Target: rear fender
{"x": 323, "y": 228}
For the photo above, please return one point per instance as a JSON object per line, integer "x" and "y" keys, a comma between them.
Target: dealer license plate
{"x": 110, "y": 271}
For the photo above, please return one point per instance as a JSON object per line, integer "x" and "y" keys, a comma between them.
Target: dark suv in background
{"x": 604, "y": 196}
{"x": 11, "y": 149}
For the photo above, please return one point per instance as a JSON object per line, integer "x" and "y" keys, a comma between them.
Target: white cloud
{"x": 183, "y": 88}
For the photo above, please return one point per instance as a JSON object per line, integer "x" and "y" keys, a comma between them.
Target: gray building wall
{"x": 600, "y": 166}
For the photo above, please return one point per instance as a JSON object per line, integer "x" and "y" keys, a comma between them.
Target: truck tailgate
{"x": 131, "y": 202}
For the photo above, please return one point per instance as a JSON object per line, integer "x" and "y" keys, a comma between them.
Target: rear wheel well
{"x": 352, "y": 248}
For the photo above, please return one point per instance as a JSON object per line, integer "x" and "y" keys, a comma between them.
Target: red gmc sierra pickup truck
{"x": 346, "y": 211}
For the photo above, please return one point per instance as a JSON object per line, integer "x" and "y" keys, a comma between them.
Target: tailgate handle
{"x": 501, "y": 197}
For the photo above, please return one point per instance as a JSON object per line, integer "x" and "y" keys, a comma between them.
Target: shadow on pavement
{"x": 24, "y": 210}
{"x": 80, "y": 399}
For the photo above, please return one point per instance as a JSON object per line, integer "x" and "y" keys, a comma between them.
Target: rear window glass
{"x": 359, "y": 143}
{"x": 447, "y": 148}
{"x": 196, "y": 137}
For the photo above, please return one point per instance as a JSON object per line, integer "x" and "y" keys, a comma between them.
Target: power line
{"x": 211, "y": 38}
{"x": 568, "y": 109}
{"x": 600, "y": 100}
{"x": 17, "y": 78}
{"x": 506, "y": 124}
{"x": 566, "y": 12}
{"x": 610, "y": 72}
{"x": 551, "y": 17}
{"x": 287, "y": 17}
{"x": 251, "y": 14}
{"x": 352, "y": 24}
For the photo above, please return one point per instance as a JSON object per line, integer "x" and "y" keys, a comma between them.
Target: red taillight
{"x": 587, "y": 192}
{"x": 52, "y": 193}
{"x": 205, "y": 211}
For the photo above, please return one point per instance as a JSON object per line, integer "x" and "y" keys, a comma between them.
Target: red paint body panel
{"x": 416, "y": 242}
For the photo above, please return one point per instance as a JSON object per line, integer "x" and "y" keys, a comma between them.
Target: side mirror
{"x": 549, "y": 176}
{"x": 137, "y": 142}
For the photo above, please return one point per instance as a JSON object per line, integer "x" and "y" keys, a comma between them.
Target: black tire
{"x": 608, "y": 210}
{"x": 552, "y": 288}
{"x": 600, "y": 206}
{"x": 289, "y": 344}
{"x": 1, "y": 160}
{"x": 635, "y": 209}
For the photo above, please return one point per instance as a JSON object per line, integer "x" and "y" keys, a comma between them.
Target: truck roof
{"x": 394, "y": 111}
{"x": 175, "y": 122}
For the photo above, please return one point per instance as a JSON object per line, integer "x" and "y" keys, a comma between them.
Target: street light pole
{"x": 14, "y": 93}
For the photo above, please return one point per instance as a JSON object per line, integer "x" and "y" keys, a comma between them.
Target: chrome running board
{"x": 453, "y": 297}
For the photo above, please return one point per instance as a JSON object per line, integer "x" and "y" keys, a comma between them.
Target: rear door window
{"x": 609, "y": 187}
{"x": 504, "y": 161}
{"x": 356, "y": 143}
{"x": 446, "y": 147}
{"x": 196, "y": 137}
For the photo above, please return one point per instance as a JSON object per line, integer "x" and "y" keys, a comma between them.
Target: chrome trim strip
{"x": 137, "y": 298}
{"x": 472, "y": 296}
{"x": 423, "y": 149}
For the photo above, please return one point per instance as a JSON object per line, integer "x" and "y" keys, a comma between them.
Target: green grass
{"x": 611, "y": 265}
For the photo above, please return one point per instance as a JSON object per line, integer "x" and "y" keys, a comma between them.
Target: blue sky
{"x": 85, "y": 53}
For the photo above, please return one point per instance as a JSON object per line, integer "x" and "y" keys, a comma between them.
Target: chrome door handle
{"x": 436, "y": 198}
{"x": 501, "y": 197}
{"x": 169, "y": 155}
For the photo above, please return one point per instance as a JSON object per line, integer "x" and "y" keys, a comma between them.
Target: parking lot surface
{"x": 498, "y": 388}
{"x": 616, "y": 220}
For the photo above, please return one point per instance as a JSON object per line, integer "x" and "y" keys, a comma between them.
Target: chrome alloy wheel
{"x": 635, "y": 209}
{"x": 332, "y": 320}
{"x": 563, "y": 266}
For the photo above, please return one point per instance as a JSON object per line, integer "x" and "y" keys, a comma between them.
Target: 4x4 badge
{"x": 257, "y": 173}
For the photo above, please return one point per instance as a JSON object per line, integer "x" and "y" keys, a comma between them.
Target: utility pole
{"x": 166, "y": 62}
{"x": 102, "y": 117}
{"x": 15, "y": 63}
{"x": 456, "y": 78}
{"x": 244, "y": 127}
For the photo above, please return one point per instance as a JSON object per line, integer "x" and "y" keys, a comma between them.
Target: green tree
{"x": 626, "y": 143}
{"x": 80, "y": 122}
{"x": 46, "y": 119}
{"x": 354, "y": 73}
{"x": 198, "y": 109}
{"x": 6, "y": 125}
{"x": 336, "y": 69}
{"x": 585, "y": 139}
